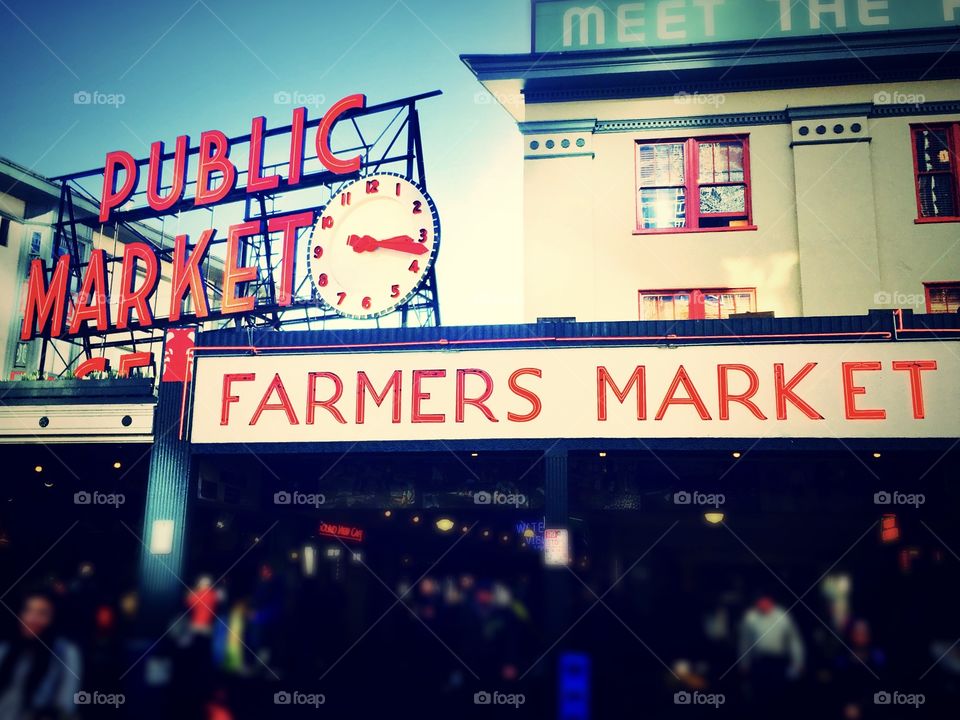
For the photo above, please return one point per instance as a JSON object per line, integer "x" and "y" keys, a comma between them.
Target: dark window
{"x": 943, "y": 297}
{"x": 935, "y": 163}
{"x": 4, "y": 231}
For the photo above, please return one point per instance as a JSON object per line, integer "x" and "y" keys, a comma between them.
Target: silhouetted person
{"x": 39, "y": 670}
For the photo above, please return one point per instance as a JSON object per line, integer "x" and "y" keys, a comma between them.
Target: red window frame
{"x": 953, "y": 145}
{"x": 692, "y": 185}
{"x": 697, "y": 304}
{"x": 929, "y": 287}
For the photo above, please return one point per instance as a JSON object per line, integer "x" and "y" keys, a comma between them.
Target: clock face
{"x": 373, "y": 245}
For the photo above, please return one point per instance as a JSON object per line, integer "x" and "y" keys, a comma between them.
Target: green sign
{"x": 564, "y": 25}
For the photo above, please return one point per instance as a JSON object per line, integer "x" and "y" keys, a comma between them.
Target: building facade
{"x": 795, "y": 175}
{"x": 741, "y": 260}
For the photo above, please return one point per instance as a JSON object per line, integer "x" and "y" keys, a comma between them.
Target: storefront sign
{"x": 556, "y": 546}
{"x": 869, "y": 390}
{"x": 563, "y": 25}
{"x": 375, "y": 260}
{"x": 343, "y": 532}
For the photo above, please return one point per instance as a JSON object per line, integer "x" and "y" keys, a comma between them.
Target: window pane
{"x": 933, "y": 150}
{"x": 723, "y": 199}
{"x": 944, "y": 299}
{"x": 936, "y": 196}
{"x": 738, "y": 302}
{"x": 660, "y": 164}
{"x": 663, "y": 208}
{"x": 724, "y": 304}
{"x": 666, "y": 307}
{"x": 721, "y": 162}
{"x": 711, "y": 306}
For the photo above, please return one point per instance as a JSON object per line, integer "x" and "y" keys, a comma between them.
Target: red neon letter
{"x": 329, "y": 405}
{"x": 296, "y": 146}
{"x": 111, "y": 197}
{"x": 185, "y": 274}
{"x": 419, "y": 396}
{"x": 364, "y": 386}
{"x": 324, "y": 154}
{"x": 288, "y": 225}
{"x": 784, "y": 392}
{"x": 693, "y": 397}
{"x": 850, "y": 391}
{"x": 276, "y": 386}
{"x": 210, "y": 162}
{"x": 226, "y": 398}
{"x": 915, "y": 367}
{"x": 132, "y": 360}
{"x": 46, "y": 304}
{"x": 604, "y": 381}
{"x": 233, "y": 275}
{"x": 743, "y": 398}
{"x": 92, "y": 301}
{"x": 132, "y": 298}
{"x": 179, "y": 175}
{"x": 463, "y": 401}
{"x": 97, "y": 364}
{"x": 255, "y": 179}
{"x": 535, "y": 405}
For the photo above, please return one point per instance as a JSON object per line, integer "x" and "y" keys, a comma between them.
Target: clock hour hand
{"x": 401, "y": 243}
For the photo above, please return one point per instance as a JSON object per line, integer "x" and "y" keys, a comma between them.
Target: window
{"x": 4, "y": 231}
{"x": 943, "y": 297}
{"x": 705, "y": 304}
{"x": 693, "y": 185}
{"x": 21, "y": 355}
{"x": 937, "y": 175}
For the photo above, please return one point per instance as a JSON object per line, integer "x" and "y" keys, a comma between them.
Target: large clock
{"x": 373, "y": 245}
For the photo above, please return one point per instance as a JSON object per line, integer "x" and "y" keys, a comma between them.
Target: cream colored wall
{"x": 854, "y": 235}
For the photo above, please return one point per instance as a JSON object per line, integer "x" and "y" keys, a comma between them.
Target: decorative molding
{"x": 697, "y": 121}
{"x": 817, "y": 112}
{"x": 557, "y": 127}
{"x": 804, "y": 143}
{"x": 559, "y": 156}
{"x": 776, "y": 117}
{"x": 947, "y": 107}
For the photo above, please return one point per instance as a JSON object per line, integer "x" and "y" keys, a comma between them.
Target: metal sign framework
{"x": 394, "y": 143}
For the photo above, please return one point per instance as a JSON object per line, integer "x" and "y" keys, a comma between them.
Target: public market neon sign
{"x": 45, "y": 311}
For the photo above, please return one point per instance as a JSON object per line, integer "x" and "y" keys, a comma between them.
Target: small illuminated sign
{"x": 556, "y": 546}
{"x": 343, "y": 532}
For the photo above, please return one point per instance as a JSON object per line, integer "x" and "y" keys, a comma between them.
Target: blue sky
{"x": 191, "y": 65}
